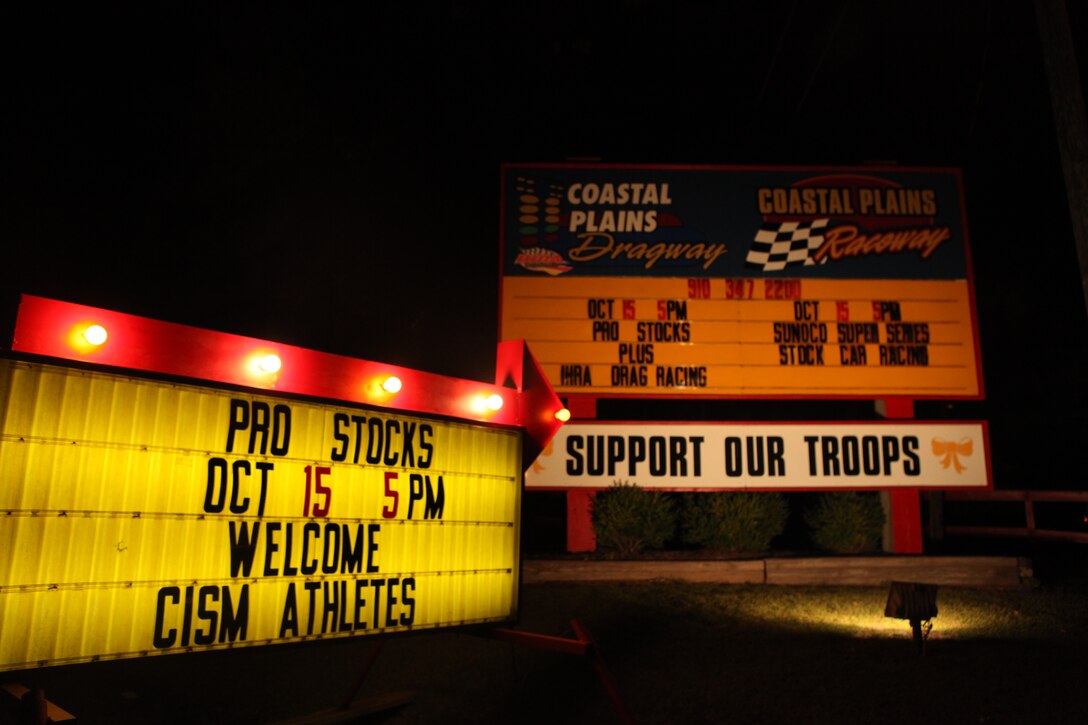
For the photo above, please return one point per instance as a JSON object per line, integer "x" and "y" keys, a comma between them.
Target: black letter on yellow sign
{"x": 420, "y": 484}
{"x": 289, "y": 621}
{"x": 231, "y": 626}
{"x": 215, "y": 494}
{"x": 263, "y": 421}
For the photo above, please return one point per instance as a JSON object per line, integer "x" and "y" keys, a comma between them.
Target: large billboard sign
{"x": 144, "y": 517}
{"x": 766, "y": 456}
{"x": 741, "y": 282}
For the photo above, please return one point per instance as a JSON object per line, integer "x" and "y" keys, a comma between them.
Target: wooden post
{"x": 905, "y": 504}
{"x": 580, "y": 536}
{"x": 32, "y": 705}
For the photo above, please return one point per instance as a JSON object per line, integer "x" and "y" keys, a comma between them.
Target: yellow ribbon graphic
{"x": 952, "y": 452}
{"x": 537, "y": 466}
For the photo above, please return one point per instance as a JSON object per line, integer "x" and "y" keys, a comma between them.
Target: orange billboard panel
{"x": 741, "y": 282}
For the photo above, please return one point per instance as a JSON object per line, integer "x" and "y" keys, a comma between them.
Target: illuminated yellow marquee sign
{"x": 142, "y": 517}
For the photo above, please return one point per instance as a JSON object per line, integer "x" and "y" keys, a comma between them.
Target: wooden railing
{"x": 1029, "y": 498}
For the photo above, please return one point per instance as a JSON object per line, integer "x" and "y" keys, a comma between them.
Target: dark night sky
{"x": 327, "y": 174}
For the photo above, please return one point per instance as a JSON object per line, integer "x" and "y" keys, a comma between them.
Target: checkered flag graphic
{"x": 778, "y": 246}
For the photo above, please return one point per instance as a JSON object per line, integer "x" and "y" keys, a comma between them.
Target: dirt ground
{"x": 669, "y": 662}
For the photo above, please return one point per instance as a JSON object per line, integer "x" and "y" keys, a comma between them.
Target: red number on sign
{"x": 628, "y": 309}
{"x": 782, "y": 289}
{"x": 699, "y": 288}
{"x": 313, "y": 481}
{"x": 738, "y": 289}
{"x": 390, "y": 492}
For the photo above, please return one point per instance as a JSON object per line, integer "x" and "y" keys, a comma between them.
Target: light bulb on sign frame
{"x": 562, "y": 415}
{"x": 270, "y": 363}
{"x": 485, "y": 404}
{"x": 95, "y": 335}
{"x": 392, "y": 384}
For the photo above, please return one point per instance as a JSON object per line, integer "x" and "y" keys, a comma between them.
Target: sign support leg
{"x": 906, "y": 508}
{"x": 350, "y": 710}
{"x": 582, "y": 646}
{"x": 580, "y": 536}
{"x": 368, "y": 663}
{"x": 906, "y": 521}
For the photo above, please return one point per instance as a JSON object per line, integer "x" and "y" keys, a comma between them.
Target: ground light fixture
{"x": 916, "y": 603}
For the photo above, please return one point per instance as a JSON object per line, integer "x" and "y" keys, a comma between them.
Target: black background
{"x": 327, "y": 174}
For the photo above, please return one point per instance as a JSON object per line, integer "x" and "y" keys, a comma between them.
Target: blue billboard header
{"x": 718, "y": 221}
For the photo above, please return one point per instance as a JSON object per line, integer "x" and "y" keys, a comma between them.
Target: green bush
{"x": 847, "y": 522}
{"x": 733, "y": 520}
{"x": 628, "y": 519}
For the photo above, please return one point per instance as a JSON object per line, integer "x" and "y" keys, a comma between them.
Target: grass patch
{"x": 678, "y": 652}
{"x": 855, "y": 611}
{"x": 859, "y": 611}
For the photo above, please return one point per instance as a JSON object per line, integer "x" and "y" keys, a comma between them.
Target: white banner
{"x": 766, "y": 456}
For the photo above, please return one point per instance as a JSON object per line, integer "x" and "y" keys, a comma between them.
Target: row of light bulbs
{"x": 271, "y": 364}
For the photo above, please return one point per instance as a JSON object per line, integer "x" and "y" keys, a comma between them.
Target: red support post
{"x": 906, "y": 521}
{"x": 603, "y": 674}
{"x": 905, "y": 503}
{"x": 582, "y": 408}
{"x": 580, "y": 536}
{"x": 583, "y": 646}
